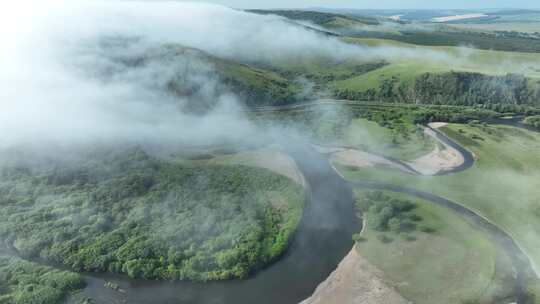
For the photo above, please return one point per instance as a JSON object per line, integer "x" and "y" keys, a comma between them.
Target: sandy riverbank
{"x": 361, "y": 159}
{"x": 442, "y": 158}
{"x": 355, "y": 281}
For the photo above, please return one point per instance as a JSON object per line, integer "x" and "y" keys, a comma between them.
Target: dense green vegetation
{"x": 474, "y": 77}
{"x": 533, "y": 121}
{"x": 128, "y": 212}
{"x": 257, "y": 86}
{"x": 393, "y": 126}
{"x": 254, "y": 86}
{"x": 389, "y": 214}
{"x": 446, "y": 260}
{"x": 23, "y": 282}
{"x": 389, "y": 117}
{"x": 453, "y": 88}
{"x": 329, "y": 20}
{"x": 474, "y": 88}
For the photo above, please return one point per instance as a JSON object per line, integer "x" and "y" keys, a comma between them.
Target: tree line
{"x": 453, "y": 88}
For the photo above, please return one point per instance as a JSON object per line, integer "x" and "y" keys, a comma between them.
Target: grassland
{"x": 403, "y": 141}
{"x": 406, "y": 72}
{"x": 390, "y": 74}
{"x": 444, "y": 75}
{"x": 452, "y": 263}
{"x": 322, "y": 70}
{"x": 460, "y": 58}
{"x": 502, "y": 185}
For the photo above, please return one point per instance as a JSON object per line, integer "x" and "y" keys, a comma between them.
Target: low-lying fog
{"x": 83, "y": 71}
{"x": 75, "y": 71}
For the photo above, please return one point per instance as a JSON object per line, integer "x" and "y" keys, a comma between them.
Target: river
{"x": 323, "y": 239}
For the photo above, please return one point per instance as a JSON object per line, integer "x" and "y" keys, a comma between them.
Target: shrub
{"x": 409, "y": 237}
{"x": 384, "y": 238}
{"x": 426, "y": 229}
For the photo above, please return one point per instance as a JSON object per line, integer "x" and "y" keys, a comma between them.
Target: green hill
{"x": 255, "y": 86}
{"x": 465, "y": 77}
{"x": 425, "y": 33}
{"x": 328, "y": 20}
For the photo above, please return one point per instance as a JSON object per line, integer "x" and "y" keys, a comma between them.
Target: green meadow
{"x": 503, "y": 185}
{"x": 444, "y": 260}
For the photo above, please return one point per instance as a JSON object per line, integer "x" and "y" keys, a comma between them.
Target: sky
{"x": 381, "y": 4}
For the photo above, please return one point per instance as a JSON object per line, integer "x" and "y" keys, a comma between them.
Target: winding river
{"x": 322, "y": 240}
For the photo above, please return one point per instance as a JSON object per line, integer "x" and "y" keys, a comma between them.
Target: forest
{"x": 453, "y": 88}
{"x": 23, "y": 282}
{"x": 132, "y": 213}
{"x": 387, "y": 214}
